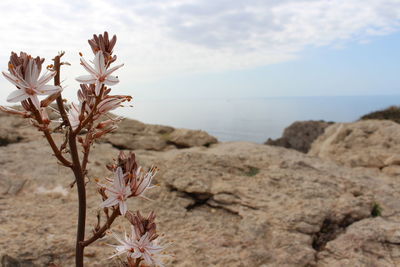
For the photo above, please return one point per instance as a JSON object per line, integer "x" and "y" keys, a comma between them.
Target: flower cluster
{"x": 142, "y": 243}
{"x": 100, "y": 75}
{"x": 24, "y": 73}
{"x": 94, "y": 96}
{"x": 130, "y": 181}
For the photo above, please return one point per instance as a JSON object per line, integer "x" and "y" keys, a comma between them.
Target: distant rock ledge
{"x": 133, "y": 134}
{"x": 391, "y": 113}
{"x": 300, "y": 135}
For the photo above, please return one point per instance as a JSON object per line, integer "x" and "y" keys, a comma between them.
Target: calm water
{"x": 253, "y": 119}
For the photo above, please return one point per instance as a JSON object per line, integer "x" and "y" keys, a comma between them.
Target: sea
{"x": 253, "y": 119}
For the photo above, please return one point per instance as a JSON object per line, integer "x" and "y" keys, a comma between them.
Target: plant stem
{"x": 104, "y": 228}
{"x": 60, "y": 104}
{"x": 77, "y": 169}
{"x": 47, "y": 134}
{"x": 80, "y": 184}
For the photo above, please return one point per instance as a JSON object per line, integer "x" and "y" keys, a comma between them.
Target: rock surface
{"x": 133, "y": 134}
{"x": 391, "y": 113}
{"x": 14, "y": 129}
{"x": 232, "y": 204}
{"x": 184, "y": 138}
{"x": 366, "y": 143}
{"x": 300, "y": 135}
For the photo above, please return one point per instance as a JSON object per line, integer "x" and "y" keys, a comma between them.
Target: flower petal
{"x": 35, "y": 101}
{"x": 155, "y": 249}
{"x": 119, "y": 180}
{"x": 86, "y": 79}
{"x": 48, "y": 89}
{"x": 127, "y": 191}
{"x": 136, "y": 254}
{"x": 15, "y": 80}
{"x": 98, "y": 87}
{"x": 109, "y": 202}
{"x": 45, "y": 78}
{"x": 88, "y": 68}
{"x": 123, "y": 208}
{"x": 35, "y": 72}
{"x": 125, "y": 244}
{"x": 17, "y": 96}
{"x": 28, "y": 76}
{"x": 108, "y": 72}
{"x": 118, "y": 254}
{"x": 99, "y": 62}
{"x": 111, "y": 80}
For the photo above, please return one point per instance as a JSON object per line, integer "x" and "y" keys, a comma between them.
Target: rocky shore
{"x": 222, "y": 204}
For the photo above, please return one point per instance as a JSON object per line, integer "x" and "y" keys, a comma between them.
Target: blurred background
{"x": 241, "y": 70}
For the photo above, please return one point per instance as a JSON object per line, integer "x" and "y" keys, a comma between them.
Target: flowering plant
{"x": 82, "y": 123}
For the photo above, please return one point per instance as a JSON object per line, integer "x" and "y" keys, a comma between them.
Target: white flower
{"x": 118, "y": 192}
{"x": 99, "y": 75}
{"x": 73, "y": 116}
{"x": 31, "y": 85}
{"x": 148, "y": 250}
{"x": 109, "y": 104}
{"x": 143, "y": 248}
{"x": 142, "y": 182}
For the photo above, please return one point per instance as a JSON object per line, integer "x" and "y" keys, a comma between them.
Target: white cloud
{"x": 168, "y": 37}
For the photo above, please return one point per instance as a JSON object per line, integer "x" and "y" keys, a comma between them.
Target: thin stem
{"x": 80, "y": 184}
{"x": 137, "y": 263}
{"x": 76, "y": 168}
{"x": 86, "y": 151}
{"x": 47, "y": 134}
{"x": 60, "y": 103}
{"x": 92, "y": 113}
{"x": 102, "y": 230}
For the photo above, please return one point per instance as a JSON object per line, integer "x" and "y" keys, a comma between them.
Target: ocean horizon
{"x": 253, "y": 119}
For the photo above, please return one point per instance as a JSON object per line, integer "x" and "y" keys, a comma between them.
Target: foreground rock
{"x": 233, "y": 204}
{"x": 300, "y": 135}
{"x": 367, "y": 143}
{"x": 133, "y": 134}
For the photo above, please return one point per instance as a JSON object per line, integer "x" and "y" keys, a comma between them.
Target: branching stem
{"x": 103, "y": 229}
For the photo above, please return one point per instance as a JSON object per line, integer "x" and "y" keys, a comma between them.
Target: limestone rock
{"x": 391, "y": 113}
{"x": 132, "y": 134}
{"x": 14, "y": 129}
{"x": 300, "y": 135}
{"x": 133, "y": 142}
{"x": 189, "y": 138}
{"x": 367, "y": 143}
{"x": 8, "y": 261}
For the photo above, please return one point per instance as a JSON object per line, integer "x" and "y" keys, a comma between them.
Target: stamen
{"x": 30, "y": 91}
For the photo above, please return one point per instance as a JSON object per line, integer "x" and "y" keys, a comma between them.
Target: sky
{"x": 217, "y": 48}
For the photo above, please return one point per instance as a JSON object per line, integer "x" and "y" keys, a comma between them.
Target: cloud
{"x": 263, "y": 25}
{"x": 168, "y": 37}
